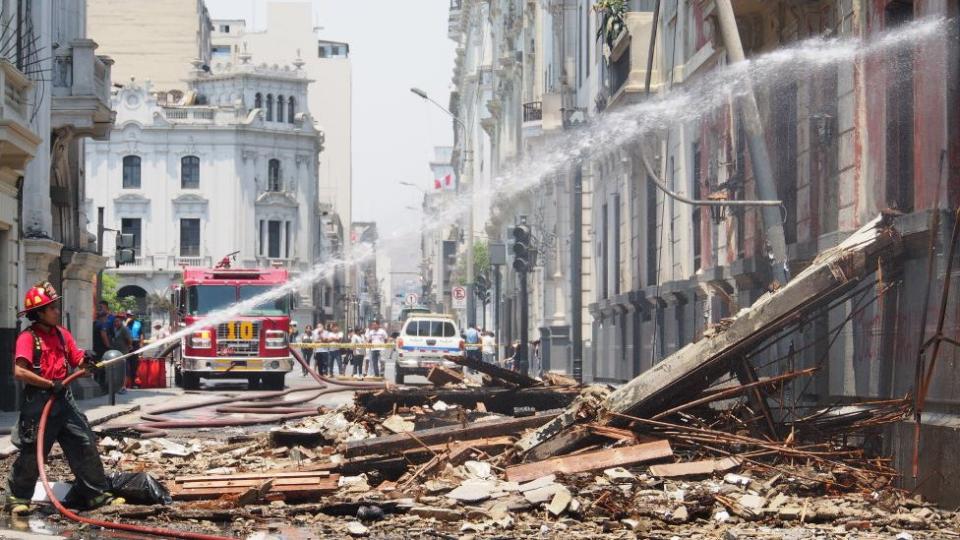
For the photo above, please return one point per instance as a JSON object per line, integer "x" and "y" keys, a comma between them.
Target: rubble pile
{"x": 442, "y": 469}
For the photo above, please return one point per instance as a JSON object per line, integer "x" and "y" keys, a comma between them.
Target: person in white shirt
{"x": 489, "y": 347}
{"x": 376, "y": 336}
{"x": 319, "y": 355}
{"x": 356, "y": 338}
{"x": 336, "y": 354}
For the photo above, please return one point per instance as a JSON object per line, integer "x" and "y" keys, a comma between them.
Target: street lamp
{"x": 471, "y": 301}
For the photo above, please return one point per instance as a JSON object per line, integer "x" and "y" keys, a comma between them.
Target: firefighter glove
{"x": 58, "y": 388}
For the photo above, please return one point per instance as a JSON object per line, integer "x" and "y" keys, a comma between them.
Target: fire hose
{"x": 156, "y": 423}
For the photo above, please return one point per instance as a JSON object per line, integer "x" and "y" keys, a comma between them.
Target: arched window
{"x": 273, "y": 175}
{"x": 131, "y": 172}
{"x": 190, "y": 172}
{"x": 280, "y": 108}
{"x": 291, "y": 110}
{"x": 258, "y": 101}
{"x": 269, "y": 107}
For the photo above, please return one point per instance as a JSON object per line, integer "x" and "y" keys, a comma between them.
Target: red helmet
{"x": 38, "y": 296}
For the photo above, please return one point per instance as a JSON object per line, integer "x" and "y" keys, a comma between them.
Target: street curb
{"x": 11, "y": 450}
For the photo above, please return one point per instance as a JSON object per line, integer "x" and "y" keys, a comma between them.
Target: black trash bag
{"x": 139, "y": 488}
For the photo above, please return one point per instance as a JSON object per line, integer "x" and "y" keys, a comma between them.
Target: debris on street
{"x": 700, "y": 446}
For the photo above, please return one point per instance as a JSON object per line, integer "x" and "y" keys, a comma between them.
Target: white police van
{"x": 423, "y": 341}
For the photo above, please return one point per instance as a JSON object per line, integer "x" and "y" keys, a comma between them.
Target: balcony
{"x": 81, "y": 90}
{"x": 195, "y": 115}
{"x": 18, "y": 144}
{"x": 141, "y": 264}
{"x": 204, "y": 262}
{"x": 533, "y": 111}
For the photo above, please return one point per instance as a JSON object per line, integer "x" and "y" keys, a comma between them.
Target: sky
{"x": 394, "y": 45}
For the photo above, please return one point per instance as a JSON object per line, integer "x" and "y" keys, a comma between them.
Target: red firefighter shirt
{"x": 52, "y": 351}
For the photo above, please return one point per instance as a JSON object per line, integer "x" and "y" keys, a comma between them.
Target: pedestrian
{"x": 305, "y": 337}
{"x": 293, "y": 332}
{"x": 323, "y": 353}
{"x": 336, "y": 337}
{"x": 44, "y": 353}
{"x": 376, "y": 336}
{"x": 120, "y": 340}
{"x": 136, "y": 341}
{"x": 489, "y": 347}
{"x": 358, "y": 352}
{"x": 472, "y": 339}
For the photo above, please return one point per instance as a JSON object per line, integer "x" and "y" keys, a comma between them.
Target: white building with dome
{"x": 229, "y": 166}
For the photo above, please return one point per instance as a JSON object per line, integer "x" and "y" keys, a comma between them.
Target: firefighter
{"x": 44, "y": 353}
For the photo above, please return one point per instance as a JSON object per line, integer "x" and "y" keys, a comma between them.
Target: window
{"x": 225, "y": 28}
{"x": 258, "y": 101}
{"x": 273, "y": 175}
{"x": 785, "y": 141}
{"x": 190, "y": 237}
{"x": 269, "y": 107}
{"x": 322, "y": 52}
{"x": 132, "y": 226}
{"x": 262, "y": 229}
{"x": 286, "y": 239}
{"x": 274, "y": 308}
{"x": 190, "y": 172}
{"x": 697, "y": 241}
{"x": 426, "y": 328}
{"x": 291, "y": 110}
{"x": 131, "y": 172}
{"x": 616, "y": 243}
{"x": 280, "y": 108}
{"x": 900, "y": 114}
{"x": 604, "y": 253}
{"x": 273, "y": 239}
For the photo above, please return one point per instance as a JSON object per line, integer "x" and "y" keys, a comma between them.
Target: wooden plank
{"x": 440, "y": 376}
{"x": 256, "y": 476}
{"x": 204, "y": 484}
{"x": 494, "y": 371}
{"x": 590, "y": 461}
{"x": 693, "y": 468}
{"x": 495, "y": 399}
{"x": 397, "y": 443}
{"x": 693, "y": 368}
{"x": 286, "y": 491}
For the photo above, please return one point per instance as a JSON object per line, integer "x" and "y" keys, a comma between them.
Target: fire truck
{"x": 253, "y": 345}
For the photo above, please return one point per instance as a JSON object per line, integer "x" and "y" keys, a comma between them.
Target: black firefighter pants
{"x": 66, "y": 425}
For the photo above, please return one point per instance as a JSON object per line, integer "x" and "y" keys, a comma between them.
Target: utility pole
{"x": 100, "y": 229}
{"x": 759, "y": 157}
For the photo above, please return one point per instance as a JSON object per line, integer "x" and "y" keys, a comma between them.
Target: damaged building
{"x": 628, "y": 275}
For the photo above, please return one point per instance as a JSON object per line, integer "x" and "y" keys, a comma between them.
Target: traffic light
{"x": 522, "y": 250}
{"x": 124, "y": 253}
{"x": 482, "y": 288}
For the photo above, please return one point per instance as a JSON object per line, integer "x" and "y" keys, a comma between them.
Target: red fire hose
{"x": 156, "y": 423}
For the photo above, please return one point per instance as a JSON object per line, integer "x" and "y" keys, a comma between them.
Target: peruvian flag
{"x": 437, "y": 184}
{"x": 448, "y": 181}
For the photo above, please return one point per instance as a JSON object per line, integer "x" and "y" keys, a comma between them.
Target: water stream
{"x": 696, "y": 99}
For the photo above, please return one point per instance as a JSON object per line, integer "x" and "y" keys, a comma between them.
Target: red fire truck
{"x": 253, "y": 345}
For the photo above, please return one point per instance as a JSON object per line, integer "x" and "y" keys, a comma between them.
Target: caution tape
{"x": 302, "y": 345}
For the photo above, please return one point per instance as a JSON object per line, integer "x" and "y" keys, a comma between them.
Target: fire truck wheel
{"x": 273, "y": 381}
{"x": 191, "y": 381}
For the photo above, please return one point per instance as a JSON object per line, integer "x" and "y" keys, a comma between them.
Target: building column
{"x": 39, "y": 253}
{"x": 79, "y": 289}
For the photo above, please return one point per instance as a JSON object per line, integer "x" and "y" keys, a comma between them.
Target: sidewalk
{"x": 98, "y": 410}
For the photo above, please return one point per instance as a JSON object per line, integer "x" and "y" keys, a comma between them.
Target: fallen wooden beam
{"x": 494, "y": 399}
{"x": 397, "y": 443}
{"x": 440, "y": 376}
{"x": 590, "y": 461}
{"x": 289, "y": 485}
{"x": 694, "y": 468}
{"x": 693, "y": 368}
{"x": 495, "y": 372}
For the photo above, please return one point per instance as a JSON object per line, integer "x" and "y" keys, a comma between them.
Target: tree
{"x": 612, "y": 22}
{"x": 159, "y": 302}
{"x": 109, "y": 287}
{"x": 481, "y": 262}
